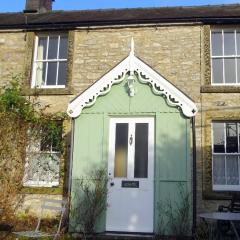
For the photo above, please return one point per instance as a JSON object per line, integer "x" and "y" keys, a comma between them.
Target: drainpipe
{"x": 194, "y": 180}
{"x": 70, "y": 170}
{"x": 71, "y": 157}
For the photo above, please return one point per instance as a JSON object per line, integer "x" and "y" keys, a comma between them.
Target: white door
{"x": 131, "y": 170}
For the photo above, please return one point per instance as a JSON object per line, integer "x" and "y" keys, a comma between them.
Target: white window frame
{"x": 37, "y": 150}
{"x": 225, "y": 187}
{"x": 235, "y": 56}
{"x": 131, "y": 149}
{"x": 38, "y": 183}
{"x": 35, "y": 61}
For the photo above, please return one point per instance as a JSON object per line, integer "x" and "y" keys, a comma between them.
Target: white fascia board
{"x": 159, "y": 85}
{"x": 101, "y": 87}
{"x": 173, "y": 95}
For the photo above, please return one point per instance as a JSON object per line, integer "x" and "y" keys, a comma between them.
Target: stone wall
{"x": 172, "y": 51}
{"x": 12, "y": 55}
{"x": 179, "y": 53}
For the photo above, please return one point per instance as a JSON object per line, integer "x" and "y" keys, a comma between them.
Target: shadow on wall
{"x": 173, "y": 176}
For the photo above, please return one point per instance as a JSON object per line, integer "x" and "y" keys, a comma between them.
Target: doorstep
{"x": 114, "y": 236}
{"x": 124, "y": 236}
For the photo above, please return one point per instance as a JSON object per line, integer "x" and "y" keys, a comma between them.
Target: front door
{"x": 131, "y": 170}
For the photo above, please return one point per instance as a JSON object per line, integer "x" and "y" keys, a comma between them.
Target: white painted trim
{"x": 40, "y": 184}
{"x": 222, "y": 57}
{"x": 226, "y": 187}
{"x": 47, "y": 61}
{"x": 34, "y": 67}
{"x": 52, "y": 86}
{"x": 130, "y": 64}
{"x": 131, "y": 149}
{"x": 111, "y": 150}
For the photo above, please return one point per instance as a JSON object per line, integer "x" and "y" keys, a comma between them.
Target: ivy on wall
{"x": 23, "y": 120}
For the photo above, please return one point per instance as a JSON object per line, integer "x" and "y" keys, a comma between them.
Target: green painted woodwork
{"x": 171, "y": 132}
{"x": 88, "y": 140}
{"x": 87, "y": 155}
{"x": 172, "y": 152}
{"x": 172, "y": 165}
{"x": 117, "y": 101}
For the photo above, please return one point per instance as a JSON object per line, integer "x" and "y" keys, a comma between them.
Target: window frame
{"x": 57, "y": 60}
{"x": 51, "y": 152}
{"x": 40, "y": 183}
{"x": 131, "y": 149}
{"x": 223, "y": 56}
{"x": 225, "y": 187}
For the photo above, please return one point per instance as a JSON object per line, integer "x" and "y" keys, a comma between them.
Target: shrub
{"x": 90, "y": 200}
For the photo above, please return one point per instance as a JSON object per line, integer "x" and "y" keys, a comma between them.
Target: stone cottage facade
{"x": 195, "y": 49}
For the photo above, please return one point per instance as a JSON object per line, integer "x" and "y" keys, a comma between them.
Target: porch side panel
{"x": 172, "y": 173}
{"x": 87, "y": 156}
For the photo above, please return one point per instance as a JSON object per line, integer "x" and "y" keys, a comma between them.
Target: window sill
{"x": 47, "y": 91}
{"x": 41, "y": 184}
{"x": 217, "y": 195}
{"x": 220, "y": 89}
{"x": 226, "y": 188}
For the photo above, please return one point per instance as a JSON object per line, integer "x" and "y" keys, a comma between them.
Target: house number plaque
{"x": 130, "y": 184}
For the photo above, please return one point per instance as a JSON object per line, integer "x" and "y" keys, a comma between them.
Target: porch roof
{"x": 130, "y": 67}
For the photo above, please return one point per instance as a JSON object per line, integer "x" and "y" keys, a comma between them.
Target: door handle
{"x": 131, "y": 140}
{"x": 112, "y": 184}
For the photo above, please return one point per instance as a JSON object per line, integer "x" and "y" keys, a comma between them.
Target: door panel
{"x": 130, "y": 168}
{"x": 141, "y": 151}
{"x": 121, "y": 150}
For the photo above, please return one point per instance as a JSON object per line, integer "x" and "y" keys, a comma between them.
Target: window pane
{"x": 141, "y": 151}
{"x": 238, "y": 43}
{"x": 62, "y": 73}
{"x": 57, "y": 137}
{"x": 217, "y": 44}
{"x": 63, "y": 50}
{"x": 40, "y": 73}
{"x": 230, "y": 70}
{"x": 49, "y": 171}
{"x": 42, "y": 167}
{"x": 42, "y": 48}
{"x": 218, "y": 138}
{"x": 121, "y": 150}
{"x": 51, "y": 137}
{"x": 32, "y": 167}
{"x": 232, "y": 170}
{"x": 239, "y": 137}
{"x": 46, "y": 143}
{"x": 231, "y": 138}
{"x": 51, "y": 74}
{"x": 219, "y": 170}
{"x": 229, "y": 43}
{"x": 217, "y": 70}
{"x": 53, "y": 47}
{"x": 238, "y": 69}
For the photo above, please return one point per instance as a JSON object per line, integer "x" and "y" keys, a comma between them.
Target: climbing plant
{"x": 23, "y": 122}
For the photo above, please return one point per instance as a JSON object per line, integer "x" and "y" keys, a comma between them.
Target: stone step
{"x": 124, "y": 236}
{"x": 117, "y": 236}
{"x": 127, "y": 236}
